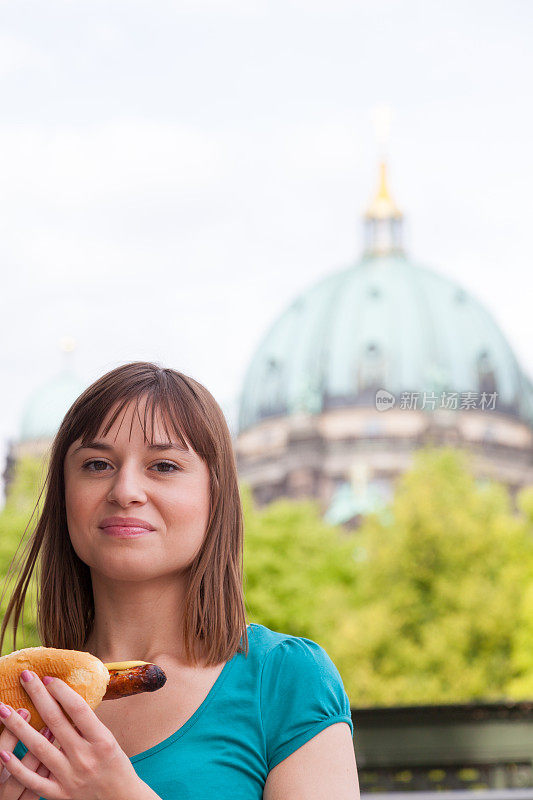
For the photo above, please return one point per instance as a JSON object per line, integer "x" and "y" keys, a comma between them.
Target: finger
{"x": 30, "y": 761}
{"x": 8, "y": 741}
{"x": 13, "y": 789}
{"x": 51, "y": 712}
{"x": 41, "y": 770}
{"x": 28, "y": 779}
{"x": 82, "y": 718}
{"x": 28, "y": 794}
{"x": 33, "y": 740}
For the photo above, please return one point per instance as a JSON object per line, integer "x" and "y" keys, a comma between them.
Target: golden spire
{"x": 383, "y": 221}
{"x": 383, "y": 206}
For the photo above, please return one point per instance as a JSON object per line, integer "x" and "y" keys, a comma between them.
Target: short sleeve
{"x": 301, "y": 694}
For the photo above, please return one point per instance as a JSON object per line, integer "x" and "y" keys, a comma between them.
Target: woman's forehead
{"x": 131, "y": 418}
{"x": 134, "y": 416}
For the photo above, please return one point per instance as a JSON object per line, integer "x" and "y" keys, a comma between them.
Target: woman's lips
{"x": 124, "y": 530}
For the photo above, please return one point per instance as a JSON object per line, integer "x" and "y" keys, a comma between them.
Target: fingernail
{"x": 5, "y": 711}
{"x": 26, "y": 675}
{"x": 49, "y": 735}
{"x": 47, "y": 679}
{"x": 4, "y": 756}
{"x": 23, "y": 713}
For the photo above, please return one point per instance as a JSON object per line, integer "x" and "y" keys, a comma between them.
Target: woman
{"x": 246, "y": 712}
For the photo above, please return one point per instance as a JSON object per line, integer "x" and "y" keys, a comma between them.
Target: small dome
{"x": 385, "y": 323}
{"x": 47, "y": 406}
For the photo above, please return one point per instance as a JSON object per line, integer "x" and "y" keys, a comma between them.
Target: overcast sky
{"x": 173, "y": 174}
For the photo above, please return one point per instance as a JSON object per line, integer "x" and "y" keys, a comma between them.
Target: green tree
{"x": 521, "y": 685}
{"x": 17, "y": 520}
{"x": 300, "y": 573}
{"x": 439, "y": 587}
{"x": 424, "y": 603}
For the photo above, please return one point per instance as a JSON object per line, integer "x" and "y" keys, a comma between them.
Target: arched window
{"x": 485, "y": 373}
{"x": 371, "y": 371}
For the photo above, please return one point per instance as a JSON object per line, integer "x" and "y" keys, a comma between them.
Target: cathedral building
{"x": 42, "y": 414}
{"x": 370, "y": 364}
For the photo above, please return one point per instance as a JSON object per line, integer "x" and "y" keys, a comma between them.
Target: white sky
{"x": 172, "y": 174}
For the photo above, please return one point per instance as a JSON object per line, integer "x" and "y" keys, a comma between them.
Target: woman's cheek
{"x": 77, "y": 507}
{"x": 78, "y": 500}
{"x": 193, "y": 508}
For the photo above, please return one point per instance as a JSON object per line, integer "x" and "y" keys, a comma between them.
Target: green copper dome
{"x": 384, "y": 323}
{"x": 48, "y": 405}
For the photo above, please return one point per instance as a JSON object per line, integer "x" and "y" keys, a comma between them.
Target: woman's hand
{"x": 90, "y": 764}
{"x": 8, "y": 742}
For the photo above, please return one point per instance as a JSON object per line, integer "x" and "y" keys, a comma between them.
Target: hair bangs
{"x": 157, "y": 403}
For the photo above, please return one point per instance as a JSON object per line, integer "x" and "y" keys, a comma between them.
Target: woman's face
{"x": 126, "y": 477}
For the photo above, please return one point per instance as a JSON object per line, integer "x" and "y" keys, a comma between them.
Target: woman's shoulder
{"x": 273, "y": 646}
{"x": 264, "y": 638}
{"x": 301, "y": 691}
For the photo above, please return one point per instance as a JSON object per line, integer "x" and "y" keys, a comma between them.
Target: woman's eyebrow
{"x": 104, "y": 446}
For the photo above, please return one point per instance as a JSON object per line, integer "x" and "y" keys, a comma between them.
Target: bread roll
{"x": 83, "y": 672}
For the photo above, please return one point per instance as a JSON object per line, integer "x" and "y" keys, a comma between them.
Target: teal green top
{"x": 261, "y": 708}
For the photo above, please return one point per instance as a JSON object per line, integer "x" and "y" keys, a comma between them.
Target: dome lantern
{"x": 383, "y": 221}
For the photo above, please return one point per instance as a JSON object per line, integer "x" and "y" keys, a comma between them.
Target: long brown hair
{"x": 214, "y": 609}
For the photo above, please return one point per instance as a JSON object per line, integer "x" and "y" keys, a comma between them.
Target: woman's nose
{"x": 127, "y": 487}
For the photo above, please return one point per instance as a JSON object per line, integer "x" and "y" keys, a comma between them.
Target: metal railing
{"x": 473, "y": 794}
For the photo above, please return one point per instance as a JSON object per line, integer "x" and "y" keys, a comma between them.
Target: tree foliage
{"x": 440, "y": 586}
{"x": 300, "y": 573}
{"x": 17, "y": 520}
{"x": 427, "y": 608}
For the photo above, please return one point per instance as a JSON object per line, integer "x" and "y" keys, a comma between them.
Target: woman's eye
{"x": 166, "y": 464}
{"x": 95, "y": 461}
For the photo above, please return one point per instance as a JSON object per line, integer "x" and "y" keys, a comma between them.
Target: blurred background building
{"x": 43, "y": 412}
{"x": 370, "y": 364}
